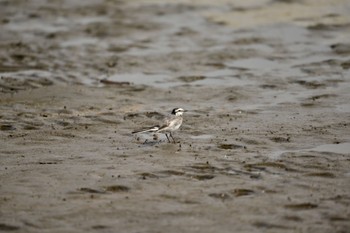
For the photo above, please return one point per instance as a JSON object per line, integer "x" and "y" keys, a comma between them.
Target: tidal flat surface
{"x": 264, "y": 147}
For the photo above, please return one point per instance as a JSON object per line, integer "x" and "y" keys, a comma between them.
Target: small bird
{"x": 169, "y": 124}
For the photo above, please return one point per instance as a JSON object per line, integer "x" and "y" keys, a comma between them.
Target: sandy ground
{"x": 265, "y": 146}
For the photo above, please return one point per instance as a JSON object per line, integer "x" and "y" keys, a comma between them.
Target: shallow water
{"x": 341, "y": 148}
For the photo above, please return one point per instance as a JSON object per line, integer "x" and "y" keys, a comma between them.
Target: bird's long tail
{"x": 151, "y": 129}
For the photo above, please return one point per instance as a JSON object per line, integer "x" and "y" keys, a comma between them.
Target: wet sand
{"x": 265, "y": 146}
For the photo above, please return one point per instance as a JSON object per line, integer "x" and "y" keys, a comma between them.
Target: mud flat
{"x": 265, "y": 146}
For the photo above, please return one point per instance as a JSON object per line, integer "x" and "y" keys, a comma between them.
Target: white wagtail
{"x": 169, "y": 124}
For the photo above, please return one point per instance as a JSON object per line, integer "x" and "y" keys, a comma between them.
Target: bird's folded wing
{"x": 150, "y": 129}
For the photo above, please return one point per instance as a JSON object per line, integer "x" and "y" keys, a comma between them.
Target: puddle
{"x": 36, "y": 26}
{"x": 256, "y": 64}
{"x": 157, "y": 80}
{"x": 224, "y": 77}
{"x": 343, "y": 108}
{"x": 342, "y": 148}
{"x": 88, "y": 20}
{"x": 215, "y": 78}
{"x": 80, "y": 41}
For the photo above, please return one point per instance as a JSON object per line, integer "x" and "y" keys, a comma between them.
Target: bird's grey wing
{"x": 150, "y": 129}
{"x": 170, "y": 123}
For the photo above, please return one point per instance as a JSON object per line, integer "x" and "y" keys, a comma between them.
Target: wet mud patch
{"x": 321, "y": 174}
{"x": 117, "y": 188}
{"x": 172, "y": 173}
{"x": 293, "y": 218}
{"x": 189, "y": 79}
{"x": 23, "y": 82}
{"x": 91, "y": 190}
{"x": 230, "y": 146}
{"x": 265, "y": 165}
{"x": 7, "y": 227}
{"x": 105, "y": 190}
{"x": 268, "y": 86}
{"x": 50, "y": 162}
{"x": 202, "y": 177}
{"x": 319, "y": 71}
{"x": 249, "y": 41}
{"x": 280, "y": 139}
{"x": 317, "y": 100}
{"x": 7, "y": 127}
{"x": 336, "y": 218}
{"x": 203, "y": 167}
{"x": 301, "y": 206}
{"x": 100, "y": 227}
{"x": 266, "y": 225}
{"x": 329, "y": 27}
{"x": 148, "y": 175}
{"x": 345, "y": 65}
{"x": 341, "y": 48}
{"x": 242, "y": 192}
{"x": 323, "y": 96}
{"x": 310, "y": 84}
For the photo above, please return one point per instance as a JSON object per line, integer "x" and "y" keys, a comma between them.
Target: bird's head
{"x": 178, "y": 111}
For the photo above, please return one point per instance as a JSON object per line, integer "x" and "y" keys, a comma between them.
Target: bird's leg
{"x": 172, "y": 137}
{"x": 155, "y": 137}
{"x": 167, "y": 137}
